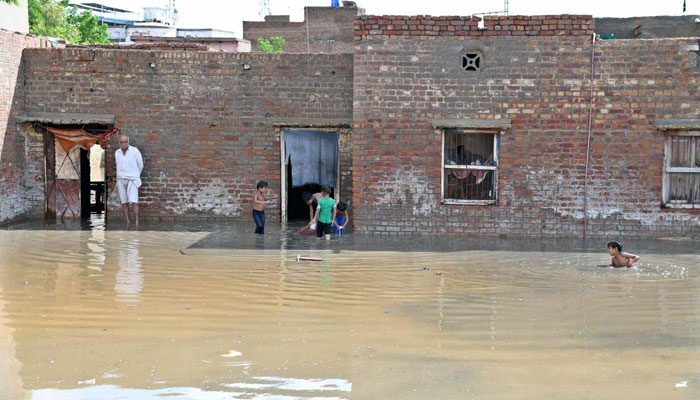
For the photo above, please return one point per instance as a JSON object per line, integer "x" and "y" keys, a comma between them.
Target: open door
{"x": 62, "y": 180}
{"x": 310, "y": 161}
{"x": 71, "y": 192}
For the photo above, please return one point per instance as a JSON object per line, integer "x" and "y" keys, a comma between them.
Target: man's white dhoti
{"x": 128, "y": 190}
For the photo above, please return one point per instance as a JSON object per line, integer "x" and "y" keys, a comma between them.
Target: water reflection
{"x": 96, "y": 249}
{"x": 228, "y": 323}
{"x": 261, "y": 388}
{"x": 129, "y": 278}
{"x": 11, "y": 386}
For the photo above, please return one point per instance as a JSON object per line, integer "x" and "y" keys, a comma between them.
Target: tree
{"x": 88, "y": 26}
{"x": 15, "y": 2}
{"x": 55, "y": 18}
{"x": 271, "y": 45}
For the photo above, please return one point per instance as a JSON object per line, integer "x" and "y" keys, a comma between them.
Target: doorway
{"x": 309, "y": 161}
{"x": 75, "y": 177}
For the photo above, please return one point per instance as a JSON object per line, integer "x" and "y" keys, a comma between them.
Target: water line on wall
{"x": 588, "y": 143}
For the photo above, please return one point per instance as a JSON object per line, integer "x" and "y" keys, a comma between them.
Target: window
{"x": 682, "y": 170}
{"x": 470, "y": 160}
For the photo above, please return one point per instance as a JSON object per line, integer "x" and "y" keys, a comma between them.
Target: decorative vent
{"x": 472, "y": 61}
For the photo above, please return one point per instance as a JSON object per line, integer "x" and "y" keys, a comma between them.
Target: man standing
{"x": 129, "y": 167}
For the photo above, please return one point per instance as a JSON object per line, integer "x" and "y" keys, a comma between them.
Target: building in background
{"x": 229, "y": 44}
{"x": 158, "y": 25}
{"x": 324, "y": 29}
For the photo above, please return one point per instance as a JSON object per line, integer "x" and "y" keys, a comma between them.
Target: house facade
{"x": 522, "y": 126}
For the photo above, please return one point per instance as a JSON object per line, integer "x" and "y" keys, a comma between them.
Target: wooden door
{"x": 50, "y": 175}
{"x": 62, "y": 180}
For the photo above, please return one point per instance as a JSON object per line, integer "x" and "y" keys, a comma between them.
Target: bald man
{"x": 129, "y": 167}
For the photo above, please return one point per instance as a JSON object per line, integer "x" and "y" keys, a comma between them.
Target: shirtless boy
{"x": 619, "y": 258}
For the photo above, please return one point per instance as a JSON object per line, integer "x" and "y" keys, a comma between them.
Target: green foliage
{"x": 274, "y": 44}
{"x": 88, "y": 27}
{"x": 15, "y": 2}
{"x": 57, "y": 19}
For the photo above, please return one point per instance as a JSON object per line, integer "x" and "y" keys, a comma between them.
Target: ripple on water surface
{"x": 150, "y": 314}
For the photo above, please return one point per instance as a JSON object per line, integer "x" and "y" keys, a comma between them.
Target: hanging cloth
{"x": 70, "y": 138}
{"x": 314, "y": 156}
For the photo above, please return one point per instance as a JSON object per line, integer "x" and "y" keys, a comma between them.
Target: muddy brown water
{"x": 212, "y": 312}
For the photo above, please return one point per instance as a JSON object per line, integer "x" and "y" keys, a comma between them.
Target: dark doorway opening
{"x": 297, "y": 209}
{"x": 97, "y": 195}
{"x": 311, "y": 161}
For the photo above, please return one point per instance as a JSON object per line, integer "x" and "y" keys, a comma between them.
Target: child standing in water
{"x": 619, "y": 258}
{"x": 259, "y": 202}
{"x": 325, "y": 214}
{"x": 341, "y": 219}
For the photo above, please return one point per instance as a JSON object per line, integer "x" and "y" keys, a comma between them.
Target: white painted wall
{"x": 14, "y": 17}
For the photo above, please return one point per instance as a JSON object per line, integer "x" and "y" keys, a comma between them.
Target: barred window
{"x": 470, "y": 166}
{"x": 681, "y": 185}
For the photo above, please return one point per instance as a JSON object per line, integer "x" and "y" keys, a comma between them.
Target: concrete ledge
{"x": 469, "y": 123}
{"x": 679, "y": 124}
{"x": 310, "y": 122}
{"x": 67, "y": 118}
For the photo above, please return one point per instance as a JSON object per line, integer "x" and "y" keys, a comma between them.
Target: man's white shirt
{"x": 129, "y": 165}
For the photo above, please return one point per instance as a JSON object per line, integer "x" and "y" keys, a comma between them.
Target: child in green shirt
{"x": 325, "y": 214}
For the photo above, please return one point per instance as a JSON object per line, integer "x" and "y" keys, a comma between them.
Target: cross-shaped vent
{"x": 471, "y": 61}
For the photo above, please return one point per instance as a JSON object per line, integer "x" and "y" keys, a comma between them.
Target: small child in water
{"x": 619, "y": 258}
{"x": 325, "y": 214}
{"x": 341, "y": 219}
{"x": 259, "y": 202}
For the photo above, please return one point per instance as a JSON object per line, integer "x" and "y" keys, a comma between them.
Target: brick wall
{"x": 13, "y": 180}
{"x": 541, "y": 84}
{"x": 426, "y": 26}
{"x": 329, "y": 29}
{"x": 203, "y": 122}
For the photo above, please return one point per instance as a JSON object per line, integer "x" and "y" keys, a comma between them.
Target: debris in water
{"x": 426, "y": 268}
{"x": 305, "y": 258}
{"x": 183, "y": 253}
{"x": 87, "y": 382}
{"x": 682, "y": 384}
{"x": 25, "y": 283}
{"x": 188, "y": 308}
{"x": 232, "y": 353}
{"x": 438, "y": 273}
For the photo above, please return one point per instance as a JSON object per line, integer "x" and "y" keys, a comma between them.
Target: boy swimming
{"x": 620, "y": 259}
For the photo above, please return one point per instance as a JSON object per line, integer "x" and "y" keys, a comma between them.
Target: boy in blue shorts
{"x": 341, "y": 219}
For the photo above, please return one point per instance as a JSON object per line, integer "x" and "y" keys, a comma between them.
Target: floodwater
{"x": 213, "y": 312}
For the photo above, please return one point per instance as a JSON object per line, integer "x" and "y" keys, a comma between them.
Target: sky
{"x": 229, "y": 14}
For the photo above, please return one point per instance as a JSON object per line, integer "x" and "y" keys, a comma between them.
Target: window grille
{"x": 470, "y": 166}
{"x": 682, "y": 170}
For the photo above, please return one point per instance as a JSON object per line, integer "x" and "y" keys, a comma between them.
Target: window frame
{"x": 496, "y": 137}
{"x": 668, "y": 169}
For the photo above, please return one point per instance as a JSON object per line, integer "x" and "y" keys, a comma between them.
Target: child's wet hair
{"x": 342, "y": 206}
{"x": 615, "y": 245}
{"x": 262, "y": 184}
{"x": 326, "y": 189}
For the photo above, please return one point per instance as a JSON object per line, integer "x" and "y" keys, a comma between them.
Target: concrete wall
{"x": 14, "y": 177}
{"x": 405, "y": 78}
{"x": 207, "y": 127}
{"x": 329, "y": 29}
